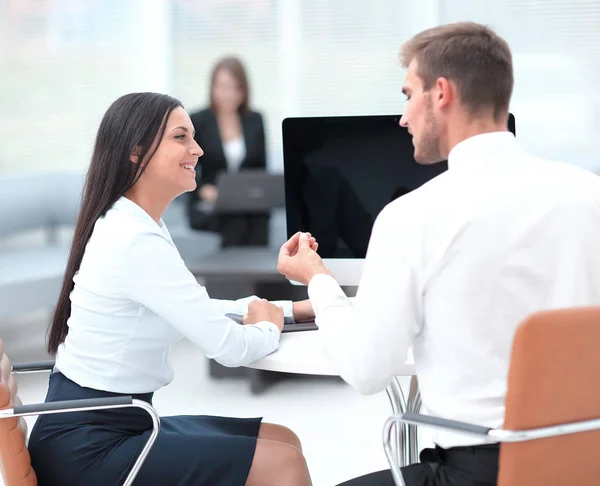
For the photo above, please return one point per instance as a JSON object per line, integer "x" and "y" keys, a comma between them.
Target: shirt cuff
{"x": 286, "y": 305}
{"x": 324, "y": 291}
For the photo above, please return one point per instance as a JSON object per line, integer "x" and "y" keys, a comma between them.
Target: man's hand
{"x": 263, "y": 310}
{"x": 303, "y": 311}
{"x": 298, "y": 259}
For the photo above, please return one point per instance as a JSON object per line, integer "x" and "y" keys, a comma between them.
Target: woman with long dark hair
{"x": 126, "y": 298}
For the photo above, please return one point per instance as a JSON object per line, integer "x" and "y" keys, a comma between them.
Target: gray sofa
{"x": 37, "y": 216}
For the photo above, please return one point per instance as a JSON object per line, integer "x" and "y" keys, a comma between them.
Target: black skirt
{"x": 100, "y": 447}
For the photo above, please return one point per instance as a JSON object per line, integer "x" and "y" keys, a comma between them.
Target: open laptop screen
{"x": 341, "y": 171}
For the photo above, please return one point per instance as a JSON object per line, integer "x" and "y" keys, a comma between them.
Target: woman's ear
{"x": 135, "y": 155}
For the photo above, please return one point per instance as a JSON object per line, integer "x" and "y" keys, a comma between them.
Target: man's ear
{"x": 135, "y": 155}
{"x": 445, "y": 92}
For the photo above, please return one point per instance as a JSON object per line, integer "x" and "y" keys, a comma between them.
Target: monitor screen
{"x": 340, "y": 172}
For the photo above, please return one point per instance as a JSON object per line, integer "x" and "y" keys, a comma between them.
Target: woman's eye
{"x": 180, "y": 137}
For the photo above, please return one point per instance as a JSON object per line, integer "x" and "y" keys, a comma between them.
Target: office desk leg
{"x": 260, "y": 380}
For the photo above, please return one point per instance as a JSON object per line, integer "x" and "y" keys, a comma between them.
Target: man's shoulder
{"x": 570, "y": 175}
{"x": 416, "y": 202}
{"x": 419, "y": 197}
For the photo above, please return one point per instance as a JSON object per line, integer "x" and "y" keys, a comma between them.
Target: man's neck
{"x": 464, "y": 129}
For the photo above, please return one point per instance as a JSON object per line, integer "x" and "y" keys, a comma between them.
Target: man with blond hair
{"x": 453, "y": 266}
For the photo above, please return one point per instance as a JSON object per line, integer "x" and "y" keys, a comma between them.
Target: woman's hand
{"x": 262, "y": 310}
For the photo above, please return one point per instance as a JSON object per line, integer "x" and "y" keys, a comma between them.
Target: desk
{"x": 232, "y": 273}
{"x": 253, "y": 265}
{"x": 303, "y": 353}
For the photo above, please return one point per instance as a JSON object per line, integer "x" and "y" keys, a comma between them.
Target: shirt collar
{"x": 469, "y": 152}
{"x": 131, "y": 208}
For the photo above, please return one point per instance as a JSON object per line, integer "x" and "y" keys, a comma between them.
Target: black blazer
{"x": 213, "y": 162}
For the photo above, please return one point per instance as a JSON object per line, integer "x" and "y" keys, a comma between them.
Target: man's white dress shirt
{"x": 454, "y": 266}
{"x": 133, "y": 298}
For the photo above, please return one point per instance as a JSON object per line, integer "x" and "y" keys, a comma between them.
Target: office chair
{"x": 15, "y": 462}
{"x": 551, "y": 432}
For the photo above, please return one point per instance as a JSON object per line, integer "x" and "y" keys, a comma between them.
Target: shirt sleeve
{"x": 157, "y": 278}
{"x": 368, "y": 338}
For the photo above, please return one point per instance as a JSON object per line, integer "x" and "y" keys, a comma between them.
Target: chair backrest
{"x": 15, "y": 462}
{"x": 554, "y": 378}
{"x": 39, "y": 200}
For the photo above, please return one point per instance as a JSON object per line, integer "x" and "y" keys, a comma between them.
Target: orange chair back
{"x": 15, "y": 462}
{"x": 554, "y": 378}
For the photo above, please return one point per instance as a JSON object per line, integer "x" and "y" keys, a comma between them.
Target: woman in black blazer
{"x": 233, "y": 139}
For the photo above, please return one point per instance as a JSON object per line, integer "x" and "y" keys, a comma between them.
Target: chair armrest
{"x": 497, "y": 435}
{"x": 441, "y": 423}
{"x": 73, "y": 405}
{"x": 418, "y": 419}
{"x": 95, "y": 404}
{"x": 486, "y": 433}
{"x": 33, "y": 366}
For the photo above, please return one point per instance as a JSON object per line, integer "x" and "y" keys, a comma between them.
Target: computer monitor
{"x": 339, "y": 173}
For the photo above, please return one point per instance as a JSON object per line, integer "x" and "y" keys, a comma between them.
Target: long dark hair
{"x": 131, "y": 123}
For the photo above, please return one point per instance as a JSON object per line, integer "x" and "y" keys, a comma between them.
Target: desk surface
{"x": 303, "y": 353}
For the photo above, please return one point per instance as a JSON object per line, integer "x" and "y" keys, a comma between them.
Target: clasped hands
{"x": 298, "y": 260}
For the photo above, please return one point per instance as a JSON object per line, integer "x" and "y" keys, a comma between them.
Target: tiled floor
{"x": 340, "y": 430}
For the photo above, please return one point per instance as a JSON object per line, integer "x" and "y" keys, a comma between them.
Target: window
{"x": 64, "y": 61}
{"x": 556, "y": 56}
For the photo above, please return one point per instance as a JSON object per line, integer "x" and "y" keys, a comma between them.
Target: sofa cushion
{"x": 32, "y": 201}
{"x": 31, "y": 278}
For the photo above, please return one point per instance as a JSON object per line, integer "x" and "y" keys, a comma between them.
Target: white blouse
{"x": 134, "y": 298}
{"x": 235, "y": 153}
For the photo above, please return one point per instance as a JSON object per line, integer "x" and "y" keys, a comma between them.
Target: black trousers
{"x": 457, "y": 466}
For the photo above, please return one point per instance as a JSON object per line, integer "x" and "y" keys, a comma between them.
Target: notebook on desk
{"x": 288, "y": 324}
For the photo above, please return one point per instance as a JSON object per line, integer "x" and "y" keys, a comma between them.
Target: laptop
{"x": 249, "y": 191}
